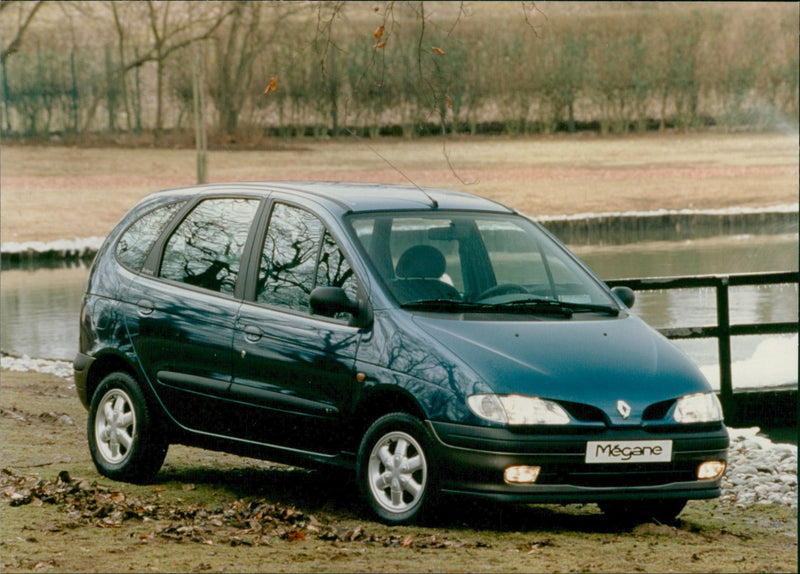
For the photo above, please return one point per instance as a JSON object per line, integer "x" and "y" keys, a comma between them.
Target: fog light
{"x": 522, "y": 474}
{"x": 711, "y": 469}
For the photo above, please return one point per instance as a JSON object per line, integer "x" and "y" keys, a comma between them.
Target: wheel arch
{"x": 382, "y": 400}
{"x": 109, "y": 363}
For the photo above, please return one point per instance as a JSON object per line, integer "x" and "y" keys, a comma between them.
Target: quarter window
{"x": 206, "y": 248}
{"x": 135, "y": 243}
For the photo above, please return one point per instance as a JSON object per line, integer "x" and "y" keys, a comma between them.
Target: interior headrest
{"x": 421, "y": 262}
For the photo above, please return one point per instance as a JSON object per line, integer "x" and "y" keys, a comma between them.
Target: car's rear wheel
{"x": 395, "y": 468}
{"x": 124, "y": 439}
{"x": 637, "y": 512}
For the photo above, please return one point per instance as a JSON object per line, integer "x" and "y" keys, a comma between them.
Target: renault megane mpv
{"x": 432, "y": 341}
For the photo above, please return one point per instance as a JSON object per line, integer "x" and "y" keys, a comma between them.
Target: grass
{"x": 51, "y": 193}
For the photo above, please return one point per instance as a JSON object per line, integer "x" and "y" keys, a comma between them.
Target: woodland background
{"x": 76, "y": 70}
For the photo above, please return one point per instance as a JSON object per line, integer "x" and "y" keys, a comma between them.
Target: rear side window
{"x": 206, "y": 248}
{"x": 134, "y": 245}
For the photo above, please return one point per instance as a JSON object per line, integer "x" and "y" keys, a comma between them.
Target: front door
{"x": 293, "y": 371}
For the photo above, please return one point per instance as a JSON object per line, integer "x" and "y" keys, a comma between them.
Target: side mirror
{"x": 328, "y": 301}
{"x": 625, "y": 294}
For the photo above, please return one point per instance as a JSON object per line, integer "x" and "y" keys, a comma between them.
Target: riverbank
{"x": 577, "y": 230}
{"x": 56, "y": 193}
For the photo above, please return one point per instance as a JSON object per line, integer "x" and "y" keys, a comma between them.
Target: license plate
{"x": 627, "y": 451}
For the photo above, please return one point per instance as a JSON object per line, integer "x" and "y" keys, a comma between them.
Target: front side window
{"x": 298, "y": 255}
{"x": 134, "y": 245}
{"x": 206, "y": 248}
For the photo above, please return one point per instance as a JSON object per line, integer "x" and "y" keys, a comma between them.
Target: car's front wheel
{"x": 395, "y": 468}
{"x": 124, "y": 440}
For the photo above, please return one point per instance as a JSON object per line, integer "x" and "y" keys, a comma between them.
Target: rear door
{"x": 293, "y": 371}
{"x": 182, "y": 327}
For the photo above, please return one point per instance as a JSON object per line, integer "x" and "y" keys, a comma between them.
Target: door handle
{"x": 145, "y": 307}
{"x": 252, "y": 333}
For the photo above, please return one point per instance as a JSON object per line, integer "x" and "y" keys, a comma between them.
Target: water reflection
{"x": 39, "y": 311}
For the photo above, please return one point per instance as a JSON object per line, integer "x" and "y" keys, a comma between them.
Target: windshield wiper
{"x": 537, "y": 305}
{"x": 567, "y": 308}
{"x": 444, "y": 305}
{"x": 590, "y": 307}
{"x": 534, "y": 306}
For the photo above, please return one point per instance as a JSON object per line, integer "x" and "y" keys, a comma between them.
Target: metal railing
{"x": 723, "y": 330}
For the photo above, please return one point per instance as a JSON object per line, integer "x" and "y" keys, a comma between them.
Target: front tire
{"x": 395, "y": 468}
{"x": 124, "y": 440}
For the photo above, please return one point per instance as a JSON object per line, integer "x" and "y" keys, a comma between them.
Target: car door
{"x": 185, "y": 308}
{"x": 294, "y": 371}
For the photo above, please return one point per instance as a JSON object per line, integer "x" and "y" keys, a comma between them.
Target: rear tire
{"x": 637, "y": 512}
{"x": 395, "y": 468}
{"x": 124, "y": 440}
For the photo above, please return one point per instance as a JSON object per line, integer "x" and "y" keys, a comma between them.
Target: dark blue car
{"x": 433, "y": 341}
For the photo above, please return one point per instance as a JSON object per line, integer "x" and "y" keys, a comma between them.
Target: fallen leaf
{"x": 296, "y": 535}
{"x": 355, "y": 534}
{"x": 408, "y": 541}
{"x": 437, "y": 50}
{"x": 272, "y": 86}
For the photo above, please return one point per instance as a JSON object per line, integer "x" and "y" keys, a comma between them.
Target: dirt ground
{"x": 215, "y": 512}
{"x": 51, "y": 193}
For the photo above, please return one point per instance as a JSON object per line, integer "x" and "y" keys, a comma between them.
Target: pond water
{"x": 39, "y": 308}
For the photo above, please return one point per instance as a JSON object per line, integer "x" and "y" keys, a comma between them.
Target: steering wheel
{"x": 502, "y": 289}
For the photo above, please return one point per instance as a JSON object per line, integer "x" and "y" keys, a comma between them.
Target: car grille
{"x": 610, "y": 475}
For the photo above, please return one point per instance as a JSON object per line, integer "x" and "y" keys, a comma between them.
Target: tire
{"x": 661, "y": 511}
{"x": 125, "y": 442}
{"x": 395, "y": 469}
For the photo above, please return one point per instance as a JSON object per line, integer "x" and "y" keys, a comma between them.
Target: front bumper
{"x": 471, "y": 460}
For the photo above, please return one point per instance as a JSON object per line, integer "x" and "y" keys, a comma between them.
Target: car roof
{"x": 358, "y": 197}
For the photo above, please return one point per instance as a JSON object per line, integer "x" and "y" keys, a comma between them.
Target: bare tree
{"x": 25, "y": 14}
{"x": 171, "y": 28}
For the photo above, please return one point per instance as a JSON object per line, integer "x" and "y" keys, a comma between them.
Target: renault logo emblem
{"x": 624, "y": 409}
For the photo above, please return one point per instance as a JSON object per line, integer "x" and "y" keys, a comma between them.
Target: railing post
{"x": 724, "y": 348}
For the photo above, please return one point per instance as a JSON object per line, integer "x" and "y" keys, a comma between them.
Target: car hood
{"x": 584, "y": 360}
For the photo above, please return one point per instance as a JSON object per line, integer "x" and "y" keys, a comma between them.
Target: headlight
{"x": 699, "y": 408}
{"x": 517, "y": 410}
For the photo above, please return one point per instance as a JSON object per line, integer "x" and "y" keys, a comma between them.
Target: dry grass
{"x": 51, "y": 193}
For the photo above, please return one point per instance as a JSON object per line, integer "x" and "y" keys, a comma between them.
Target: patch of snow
{"x": 785, "y": 208}
{"x": 24, "y": 363}
{"x": 772, "y": 364}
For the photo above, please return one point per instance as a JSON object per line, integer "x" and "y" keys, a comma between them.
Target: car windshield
{"x": 459, "y": 262}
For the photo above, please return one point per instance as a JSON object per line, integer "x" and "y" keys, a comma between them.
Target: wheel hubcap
{"x": 115, "y": 426}
{"x": 397, "y": 472}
